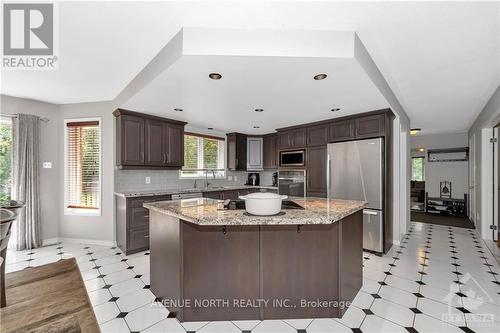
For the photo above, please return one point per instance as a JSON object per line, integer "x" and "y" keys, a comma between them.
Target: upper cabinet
{"x": 289, "y": 139}
{"x": 270, "y": 151}
{"x": 342, "y": 130}
{"x": 317, "y": 135}
{"x": 236, "y": 151}
{"x": 255, "y": 153}
{"x": 370, "y": 126}
{"x": 148, "y": 142}
{"x": 130, "y": 140}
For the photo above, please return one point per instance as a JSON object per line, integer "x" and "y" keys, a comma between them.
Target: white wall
{"x": 436, "y": 172}
{"x": 481, "y": 130}
{"x": 49, "y": 138}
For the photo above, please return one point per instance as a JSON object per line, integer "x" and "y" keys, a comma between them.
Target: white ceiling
{"x": 440, "y": 58}
{"x": 282, "y": 86}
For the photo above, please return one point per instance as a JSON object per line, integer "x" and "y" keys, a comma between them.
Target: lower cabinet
{"x": 316, "y": 171}
{"x": 132, "y": 222}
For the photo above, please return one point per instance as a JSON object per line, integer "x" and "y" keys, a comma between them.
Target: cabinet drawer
{"x": 139, "y": 217}
{"x": 138, "y": 239}
{"x": 138, "y": 202}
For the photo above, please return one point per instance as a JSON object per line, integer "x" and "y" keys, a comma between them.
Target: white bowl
{"x": 263, "y": 203}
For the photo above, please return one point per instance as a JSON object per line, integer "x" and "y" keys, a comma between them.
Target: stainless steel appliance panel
{"x": 292, "y": 183}
{"x": 355, "y": 171}
{"x": 372, "y": 230}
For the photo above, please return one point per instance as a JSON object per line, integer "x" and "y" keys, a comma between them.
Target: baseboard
{"x": 87, "y": 241}
{"x": 51, "y": 241}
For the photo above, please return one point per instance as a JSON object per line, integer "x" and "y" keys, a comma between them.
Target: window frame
{"x": 423, "y": 168}
{"x": 223, "y": 158}
{"x": 82, "y": 211}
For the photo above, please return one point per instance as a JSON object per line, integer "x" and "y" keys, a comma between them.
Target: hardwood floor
{"x": 48, "y": 298}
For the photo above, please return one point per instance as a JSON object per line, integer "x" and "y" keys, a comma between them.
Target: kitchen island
{"x": 208, "y": 263}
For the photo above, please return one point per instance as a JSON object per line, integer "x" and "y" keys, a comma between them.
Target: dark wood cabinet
{"x": 155, "y": 152}
{"x": 132, "y": 222}
{"x": 342, "y": 130}
{"x": 236, "y": 151}
{"x": 148, "y": 142}
{"x": 213, "y": 195}
{"x": 173, "y": 141}
{"x": 270, "y": 151}
{"x": 370, "y": 126}
{"x": 130, "y": 134}
{"x": 316, "y": 171}
{"x": 295, "y": 138}
{"x": 318, "y": 135}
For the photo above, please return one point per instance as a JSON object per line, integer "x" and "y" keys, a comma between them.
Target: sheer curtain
{"x": 26, "y": 181}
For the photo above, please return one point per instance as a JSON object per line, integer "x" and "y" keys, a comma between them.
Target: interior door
{"x": 496, "y": 180}
{"x": 472, "y": 180}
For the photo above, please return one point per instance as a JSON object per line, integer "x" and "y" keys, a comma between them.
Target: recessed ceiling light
{"x": 210, "y": 128}
{"x": 215, "y": 76}
{"x": 321, "y": 76}
{"x": 259, "y": 110}
{"x": 415, "y": 131}
{"x": 421, "y": 150}
{"x": 178, "y": 110}
{"x": 335, "y": 109}
{"x": 256, "y": 127}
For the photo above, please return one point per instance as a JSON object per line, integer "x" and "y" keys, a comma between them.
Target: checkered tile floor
{"x": 441, "y": 279}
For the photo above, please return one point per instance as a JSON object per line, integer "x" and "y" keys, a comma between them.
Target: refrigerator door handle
{"x": 369, "y": 212}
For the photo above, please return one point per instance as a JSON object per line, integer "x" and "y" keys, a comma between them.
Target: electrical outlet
{"x": 47, "y": 165}
{"x": 230, "y": 178}
{"x": 148, "y": 180}
{"x": 235, "y": 178}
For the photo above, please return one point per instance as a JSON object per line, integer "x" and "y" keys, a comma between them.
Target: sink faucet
{"x": 206, "y": 179}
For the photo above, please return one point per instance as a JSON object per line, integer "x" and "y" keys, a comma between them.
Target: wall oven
{"x": 292, "y": 158}
{"x": 292, "y": 183}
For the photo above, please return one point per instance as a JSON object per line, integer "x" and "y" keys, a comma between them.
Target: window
{"x": 203, "y": 153}
{"x": 417, "y": 168}
{"x": 82, "y": 166}
{"x": 5, "y": 159}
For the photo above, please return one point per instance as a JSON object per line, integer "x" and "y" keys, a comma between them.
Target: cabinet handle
{"x": 299, "y": 228}
{"x": 236, "y": 162}
{"x": 147, "y": 236}
{"x": 164, "y": 158}
{"x": 224, "y": 230}
{"x": 146, "y": 216}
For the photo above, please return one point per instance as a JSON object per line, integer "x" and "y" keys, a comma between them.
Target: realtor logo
{"x": 29, "y": 36}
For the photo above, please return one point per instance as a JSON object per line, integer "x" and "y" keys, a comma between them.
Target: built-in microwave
{"x": 292, "y": 158}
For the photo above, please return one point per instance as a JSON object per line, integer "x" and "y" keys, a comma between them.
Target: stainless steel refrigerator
{"x": 354, "y": 172}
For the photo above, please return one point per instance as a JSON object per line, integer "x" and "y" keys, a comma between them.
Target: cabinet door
{"x": 174, "y": 137}
{"x": 155, "y": 153}
{"x": 270, "y": 152}
{"x": 231, "y": 152}
{"x": 318, "y": 135}
{"x": 316, "y": 171}
{"x": 299, "y": 138}
{"x": 254, "y": 153}
{"x": 370, "y": 126}
{"x": 132, "y": 140}
{"x": 284, "y": 140}
{"x": 342, "y": 130}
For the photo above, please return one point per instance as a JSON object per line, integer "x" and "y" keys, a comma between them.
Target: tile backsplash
{"x": 135, "y": 180}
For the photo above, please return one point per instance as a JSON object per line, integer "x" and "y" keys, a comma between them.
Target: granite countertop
{"x": 149, "y": 193}
{"x": 205, "y": 211}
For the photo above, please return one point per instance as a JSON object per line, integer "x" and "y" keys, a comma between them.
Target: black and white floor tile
{"x": 441, "y": 279}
